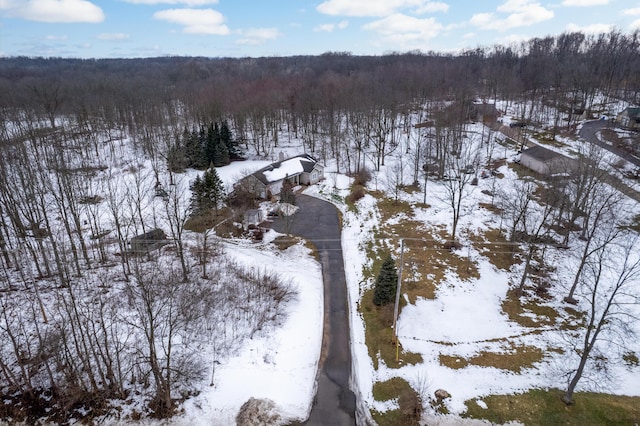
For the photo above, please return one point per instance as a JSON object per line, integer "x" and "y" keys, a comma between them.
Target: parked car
{"x": 517, "y": 124}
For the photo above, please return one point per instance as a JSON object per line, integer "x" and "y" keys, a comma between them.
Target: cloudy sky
{"x": 238, "y": 28}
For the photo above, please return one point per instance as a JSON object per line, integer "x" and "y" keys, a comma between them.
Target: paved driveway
{"x": 589, "y": 132}
{"x": 317, "y": 221}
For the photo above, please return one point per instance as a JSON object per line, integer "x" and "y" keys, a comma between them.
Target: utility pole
{"x": 395, "y": 310}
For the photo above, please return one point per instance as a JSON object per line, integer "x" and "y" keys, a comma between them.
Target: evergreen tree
{"x": 197, "y": 194}
{"x": 207, "y": 193}
{"x": 213, "y": 136}
{"x": 229, "y": 142}
{"x": 176, "y": 157}
{"x": 286, "y": 192}
{"x": 216, "y": 150}
{"x": 193, "y": 143}
{"x": 386, "y": 283}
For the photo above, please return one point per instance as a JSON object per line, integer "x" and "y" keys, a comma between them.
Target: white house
{"x": 300, "y": 170}
{"x": 545, "y": 161}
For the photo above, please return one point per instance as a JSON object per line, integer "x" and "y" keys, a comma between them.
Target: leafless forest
{"x": 117, "y": 324}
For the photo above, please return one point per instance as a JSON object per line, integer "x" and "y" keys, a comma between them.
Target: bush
{"x": 362, "y": 177}
{"x": 357, "y": 193}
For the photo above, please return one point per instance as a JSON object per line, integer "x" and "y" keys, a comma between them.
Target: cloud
{"x": 330, "y": 27}
{"x": 432, "y": 7}
{"x": 585, "y": 3}
{"x": 256, "y": 36}
{"x": 113, "y": 36}
{"x": 406, "y": 31}
{"x": 195, "y": 21}
{"x": 590, "y": 29}
{"x": 56, "y": 38}
{"x": 520, "y": 13}
{"x": 52, "y": 11}
{"x": 635, "y": 25}
{"x": 378, "y": 8}
{"x": 190, "y": 3}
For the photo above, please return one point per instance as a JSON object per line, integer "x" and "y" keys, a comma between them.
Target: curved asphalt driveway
{"x": 317, "y": 221}
{"x": 589, "y": 132}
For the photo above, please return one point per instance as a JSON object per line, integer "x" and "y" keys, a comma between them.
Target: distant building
{"x": 300, "y": 170}
{"x": 545, "y": 161}
{"x": 484, "y": 113}
{"x": 629, "y": 118}
{"x": 148, "y": 241}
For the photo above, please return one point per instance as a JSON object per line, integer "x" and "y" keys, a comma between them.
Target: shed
{"x": 148, "y": 241}
{"x": 545, "y": 161}
{"x": 484, "y": 113}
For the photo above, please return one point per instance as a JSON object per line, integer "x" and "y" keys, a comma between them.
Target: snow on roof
{"x": 290, "y": 167}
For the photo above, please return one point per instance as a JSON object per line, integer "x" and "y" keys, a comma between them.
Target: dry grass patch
{"x": 496, "y": 248}
{"x": 611, "y": 136}
{"x": 528, "y": 313}
{"x": 208, "y": 220}
{"x": 283, "y": 242}
{"x": 540, "y": 407}
{"x": 514, "y": 358}
{"x": 491, "y": 207}
{"x": 390, "y": 208}
{"x": 408, "y": 400}
{"x": 453, "y": 362}
{"x": 379, "y": 334}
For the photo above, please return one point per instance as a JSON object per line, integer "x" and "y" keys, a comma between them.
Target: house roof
{"x": 541, "y": 153}
{"x": 486, "y": 109}
{"x": 286, "y": 168}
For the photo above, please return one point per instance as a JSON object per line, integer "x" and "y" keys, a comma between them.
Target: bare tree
{"x": 457, "y": 184}
{"x": 176, "y": 210}
{"x": 607, "y": 294}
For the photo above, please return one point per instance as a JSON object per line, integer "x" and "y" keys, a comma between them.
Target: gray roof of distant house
{"x": 541, "y": 153}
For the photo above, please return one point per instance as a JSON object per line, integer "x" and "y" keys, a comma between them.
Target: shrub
{"x": 357, "y": 192}
{"x": 362, "y": 177}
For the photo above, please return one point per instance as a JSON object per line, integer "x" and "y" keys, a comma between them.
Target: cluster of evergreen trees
{"x": 198, "y": 149}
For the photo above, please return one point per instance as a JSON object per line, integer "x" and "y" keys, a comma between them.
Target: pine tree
{"x": 229, "y": 142}
{"x": 193, "y": 143}
{"x": 197, "y": 194}
{"x": 207, "y": 193}
{"x": 386, "y": 283}
{"x": 215, "y": 193}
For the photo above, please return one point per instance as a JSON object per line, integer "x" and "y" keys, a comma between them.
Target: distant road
{"x": 589, "y": 132}
{"x": 334, "y": 403}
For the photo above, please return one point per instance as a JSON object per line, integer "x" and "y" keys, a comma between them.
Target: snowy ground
{"x": 281, "y": 367}
{"x": 463, "y": 320}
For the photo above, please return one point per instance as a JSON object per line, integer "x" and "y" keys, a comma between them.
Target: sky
{"x": 252, "y": 28}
